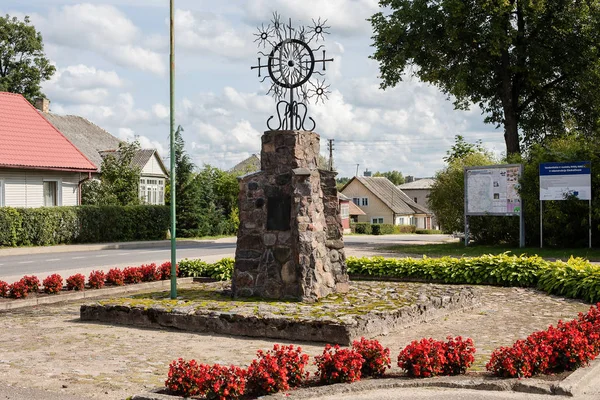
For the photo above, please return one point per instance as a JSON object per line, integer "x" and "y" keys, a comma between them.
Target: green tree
{"x": 119, "y": 181}
{"x": 530, "y": 65}
{"x": 23, "y": 64}
{"x": 188, "y": 209}
{"x": 394, "y": 176}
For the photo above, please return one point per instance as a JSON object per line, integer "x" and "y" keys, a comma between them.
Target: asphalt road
{"x": 13, "y": 267}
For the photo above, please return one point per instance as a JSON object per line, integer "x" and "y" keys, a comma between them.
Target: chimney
{"x": 42, "y": 104}
{"x": 367, "y": 173}
{"x": 409, "y": 179}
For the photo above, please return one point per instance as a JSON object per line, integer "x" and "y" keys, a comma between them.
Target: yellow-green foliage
{"x": 576, "y": 278}
{"x": 221, "y": 270}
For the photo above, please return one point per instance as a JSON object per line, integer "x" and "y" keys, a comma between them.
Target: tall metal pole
{"x": 172, "y": 101}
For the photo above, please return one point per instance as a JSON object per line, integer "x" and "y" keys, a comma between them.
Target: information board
{"x": 493, "y": 190}
{"x": 560, "y": 180}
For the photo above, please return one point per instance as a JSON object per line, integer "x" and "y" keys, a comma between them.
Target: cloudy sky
{"x": 112, "y": 60}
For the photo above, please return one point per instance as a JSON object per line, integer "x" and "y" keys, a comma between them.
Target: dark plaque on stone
{"x": 279, "y": 211}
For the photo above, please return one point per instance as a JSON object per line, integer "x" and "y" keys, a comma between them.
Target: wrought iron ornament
{"x": 290, "y": 65}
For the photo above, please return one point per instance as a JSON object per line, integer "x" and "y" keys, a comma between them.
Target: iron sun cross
{"x": 291, "y": 65}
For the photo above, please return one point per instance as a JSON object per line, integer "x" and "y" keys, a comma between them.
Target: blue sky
{"x": 112, "y": 67}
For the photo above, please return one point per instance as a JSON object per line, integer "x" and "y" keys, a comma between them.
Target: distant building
{"x": 383, "y": 203}
{"x": 95, "y": 143}
{"x": 39, "y": 166}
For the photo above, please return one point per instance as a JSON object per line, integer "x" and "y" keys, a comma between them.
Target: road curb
{"x": 483, "y": 383}
{"x": 575, "y": 383}
{"x": 19, "y": 251}
{"x": 88, "y": 294}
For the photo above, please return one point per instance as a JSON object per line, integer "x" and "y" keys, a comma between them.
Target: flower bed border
{"x": 40, "y": 299}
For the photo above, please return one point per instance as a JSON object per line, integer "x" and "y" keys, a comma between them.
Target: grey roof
{"x": 250, "y": 164}
{"x": 423, "y": 183}
{"x": 393, "y": 197}
{"x": 89, "y": 138}
{"x": 140, "y": 159}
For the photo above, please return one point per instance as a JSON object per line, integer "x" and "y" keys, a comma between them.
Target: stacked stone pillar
{"x": 290, "y": 242}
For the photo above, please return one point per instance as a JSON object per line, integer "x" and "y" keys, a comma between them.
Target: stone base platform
{"x": 369, "y": 309}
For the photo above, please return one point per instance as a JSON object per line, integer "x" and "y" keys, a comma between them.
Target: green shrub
{"x": 193, "y": 268}
{"x": 428, "y": 231}
{"x": 376, "y": 229}
{"x": 361, "y": 228}
{"x": 576, "y": 278}
{"x": 220, "y": 270}
{"x": 10, "y": 225}
{"x": 47, "y": 226}
{"x": 122, "y": 223}
{"x": 404, "y": 228}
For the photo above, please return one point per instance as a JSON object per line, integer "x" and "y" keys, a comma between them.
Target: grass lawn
{"x": 459, "y": 249}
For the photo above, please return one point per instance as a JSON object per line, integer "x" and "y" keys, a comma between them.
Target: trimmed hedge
{"x": 382, "y": 229}
{"x": 405, "y": 229}
{"x": 367, "y": 228}
{"x": 576, "y": 278}
{"x": 85, "y": 224}
{"x": 428, "y": 232}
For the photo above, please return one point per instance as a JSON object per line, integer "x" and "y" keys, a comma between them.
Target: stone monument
{"x": 290, "y": 243}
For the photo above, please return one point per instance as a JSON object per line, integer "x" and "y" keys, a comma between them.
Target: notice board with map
{"x": 493, "y": 190}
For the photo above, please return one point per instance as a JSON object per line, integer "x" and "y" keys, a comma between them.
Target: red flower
{"x": 338, "y": 365}
{"x": 53, "y": 284}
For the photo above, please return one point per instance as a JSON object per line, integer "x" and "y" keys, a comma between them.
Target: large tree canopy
{"x": 23, "y": 65}
{"x": 532, "y": 65}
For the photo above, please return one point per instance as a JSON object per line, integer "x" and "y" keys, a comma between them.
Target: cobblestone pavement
{"x": 49, "y": 348}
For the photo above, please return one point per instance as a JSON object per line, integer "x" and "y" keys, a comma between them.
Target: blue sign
{"x": 566, "y": 168}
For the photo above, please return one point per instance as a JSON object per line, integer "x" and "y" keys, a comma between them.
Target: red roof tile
{"x": 27, "y": 140}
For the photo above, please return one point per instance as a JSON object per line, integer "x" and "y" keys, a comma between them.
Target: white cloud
{"x": 161, "y": 111}
{"x": 102, "y": 29}
{"x": 129, "y": 135}
{"x": 348, "y": 17}
{"x": 81, "y": 84}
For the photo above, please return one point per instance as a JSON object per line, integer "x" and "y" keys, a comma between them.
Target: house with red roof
{"x": 39, "y": 166}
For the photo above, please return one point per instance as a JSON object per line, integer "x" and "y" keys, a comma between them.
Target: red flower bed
{"x": 115, "y": 277}
{"x": 4, "y": 289}
{"x": 423, "y": 358}
{"x": 53, "y": 284}
{"x": 96, "y": 279}
{"x": 132, "y": 275}
{"x": 188, "y": 378}
{"x": 165, "y": 270}
{"x": 459, "y": 355}
{"x": 566, "y": 347}
{"x": 17, "y": 290}
{"x": 150, "y": 273}
{"x": 277, "y": 370}
{"x": 376, "y": 358}
{"x": 76, "y": 282}
{"x": 338, "y": 365}
{"x": 32, "y": 283}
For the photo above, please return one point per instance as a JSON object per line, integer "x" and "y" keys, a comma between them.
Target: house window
{"x": 345, "y": 211}
{"x": 152, "y": 191}
{"x": 51, "y": 194}
{"x": 364, "y": 201}
{"x": 377, "y": 220}
{"x": 356, "y": 200}
{"x": 415, "y": 199}
{"x": 401, "y": 221}
{"x": 412, "y": 221}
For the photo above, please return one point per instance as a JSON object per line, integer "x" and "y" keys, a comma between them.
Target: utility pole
{"x": 172, "y": 151}
{"x": 356, "y": 169}
{"x": 330, "y": 147}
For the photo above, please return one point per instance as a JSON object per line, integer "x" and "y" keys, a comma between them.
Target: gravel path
{"x": 48, "y": 348}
